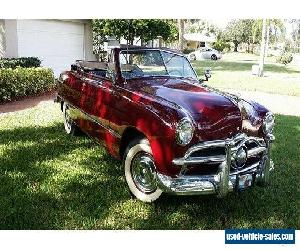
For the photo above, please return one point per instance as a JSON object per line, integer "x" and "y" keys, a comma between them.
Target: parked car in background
{"x": 205, "y": 53}
{"x": 173, "y": 133}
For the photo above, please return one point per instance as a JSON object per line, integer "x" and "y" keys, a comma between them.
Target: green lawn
{"x": 233, "y": 71}
{"x": 50, "y": 180}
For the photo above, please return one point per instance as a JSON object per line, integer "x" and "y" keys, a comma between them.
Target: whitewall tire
{"x": 140, "y": 172}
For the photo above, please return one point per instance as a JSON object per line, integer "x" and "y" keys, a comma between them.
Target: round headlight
{"x": 268, "y": 123}
{"x": 184, "y": 131}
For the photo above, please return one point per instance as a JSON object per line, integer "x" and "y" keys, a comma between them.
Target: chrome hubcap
{"x": 143, "y": 173}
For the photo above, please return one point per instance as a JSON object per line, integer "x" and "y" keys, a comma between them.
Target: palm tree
{"x": 276, "y": 29}
{"x": 181, "y": 32}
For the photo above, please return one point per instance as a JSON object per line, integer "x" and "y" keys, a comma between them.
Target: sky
{"x": 221, "y": 23}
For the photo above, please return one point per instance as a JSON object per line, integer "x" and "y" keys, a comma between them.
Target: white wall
{"x": 58, "y": 43}
{"x": 88, "y": 42}
{"x": 11, "y": 38}
{"x": 2, "y": 38}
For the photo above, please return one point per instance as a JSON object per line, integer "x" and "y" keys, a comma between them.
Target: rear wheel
{"x": 70, "y": 126}
{"x": 140, "y": 172}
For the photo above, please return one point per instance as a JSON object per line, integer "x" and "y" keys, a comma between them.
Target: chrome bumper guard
{"x": 226, "y": 178}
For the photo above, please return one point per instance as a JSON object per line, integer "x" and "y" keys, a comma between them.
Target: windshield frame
{"x": 122, "y": 51}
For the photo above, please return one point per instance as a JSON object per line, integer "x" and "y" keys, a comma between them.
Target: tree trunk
{"x": 263, "y": 48}
{"x": 236, "y": 44}
{"x": 248, "y": 47}
{"x": 251, "y": 48}
{"x": 159, "y": 42}
{"x": 181, "y": 32}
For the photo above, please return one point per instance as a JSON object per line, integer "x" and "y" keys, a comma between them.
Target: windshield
{"x": 143, "y": 63}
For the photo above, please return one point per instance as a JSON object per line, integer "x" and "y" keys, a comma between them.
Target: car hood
{"x": 215, "y": 114}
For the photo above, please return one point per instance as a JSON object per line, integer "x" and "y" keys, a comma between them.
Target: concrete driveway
{"x": 279, "y": 104}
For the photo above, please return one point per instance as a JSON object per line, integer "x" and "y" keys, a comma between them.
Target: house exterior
{"x": 57, "y": 43}
{"x": 195, "y": 41}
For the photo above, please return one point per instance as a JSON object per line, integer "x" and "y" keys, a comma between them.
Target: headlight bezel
{"x": 179, "y": 127}
{"x": 268, "y": 123}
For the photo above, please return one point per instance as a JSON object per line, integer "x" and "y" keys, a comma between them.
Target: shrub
{"x": 221, "y": 45}
{"x": 24, "y": 62}
{"x": 187, "y": 51}
{"x": 24, "y": 81}
{"x": 284, "y": 58}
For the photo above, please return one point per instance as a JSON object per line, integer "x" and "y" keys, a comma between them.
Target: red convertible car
{"x": 173, "y": 133}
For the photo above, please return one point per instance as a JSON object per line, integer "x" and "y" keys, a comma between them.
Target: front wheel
{"x": 140, "y": 172}
{"x": 193, "y": 57}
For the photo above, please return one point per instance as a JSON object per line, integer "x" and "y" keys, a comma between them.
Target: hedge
{"x": 24, "y": 62}
{"x": 24, "y": 81}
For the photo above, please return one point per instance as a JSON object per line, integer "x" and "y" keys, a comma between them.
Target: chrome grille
{"x": 206, "y": 156}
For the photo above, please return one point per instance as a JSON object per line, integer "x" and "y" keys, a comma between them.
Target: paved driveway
{"x": 27, "y": 102}
{"x": 279, "y": 104}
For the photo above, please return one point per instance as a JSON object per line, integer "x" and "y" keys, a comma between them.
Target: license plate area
{"x": 244, "y": 181}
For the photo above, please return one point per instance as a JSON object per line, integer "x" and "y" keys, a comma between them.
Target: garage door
{"x": 57, "y": 43}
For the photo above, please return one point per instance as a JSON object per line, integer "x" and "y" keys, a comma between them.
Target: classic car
{"x": 173, "y": 133}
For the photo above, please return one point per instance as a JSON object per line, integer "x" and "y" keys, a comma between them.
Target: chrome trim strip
{"x": 250, "y": 168}
{"x": 97, "y": 121}
{"x": 196, "y": 160}
{"x": 256, "y": 151}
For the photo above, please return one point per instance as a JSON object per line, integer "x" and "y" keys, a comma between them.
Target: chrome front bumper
{"x": 225, "y": 180}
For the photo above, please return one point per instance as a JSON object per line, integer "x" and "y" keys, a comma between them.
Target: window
{"x": 141, "y": 63}
{"x": 178, "y": 65}
{"x": 146, "y": 63}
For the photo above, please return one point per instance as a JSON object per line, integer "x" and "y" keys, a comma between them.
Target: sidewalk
{"x": 26, "y": 103}
{"x": 278, "y": 104}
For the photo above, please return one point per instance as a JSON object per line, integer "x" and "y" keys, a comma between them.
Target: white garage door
{"x": 57, "y": 43}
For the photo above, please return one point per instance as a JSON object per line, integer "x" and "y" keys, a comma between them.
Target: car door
{"x": 202, "y": 53}
{"x": 206, "y": 53}
{"x": 97, "y": 103}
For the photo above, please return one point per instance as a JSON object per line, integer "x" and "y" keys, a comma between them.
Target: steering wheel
{"x": 175, "y": 72}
